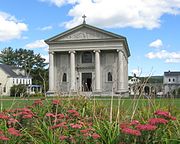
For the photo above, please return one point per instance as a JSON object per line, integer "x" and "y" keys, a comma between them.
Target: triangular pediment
{"x": 84, "y": 32}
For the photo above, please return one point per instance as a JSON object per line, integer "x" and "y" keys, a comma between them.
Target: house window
{"x": 173, "y": 80}
{"x": 4, "y": 89}
{"x": 17, "y": 81}
{"x": 13, "y": 81}
{"x": 169, "y": 80}
{"x": 87, "y": 57}
{"x": 109, "y": 76}
{"x": 64, "y": 79}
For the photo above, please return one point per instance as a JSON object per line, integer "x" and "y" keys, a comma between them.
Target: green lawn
{"x": 7, "y": 102}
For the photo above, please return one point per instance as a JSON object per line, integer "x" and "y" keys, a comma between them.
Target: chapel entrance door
{"x": 86, "y": 81}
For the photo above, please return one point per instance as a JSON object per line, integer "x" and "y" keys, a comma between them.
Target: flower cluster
{"x": 72, "y": 122}
{"x": 164, "y": 114}
{"x": 136, "y": 128}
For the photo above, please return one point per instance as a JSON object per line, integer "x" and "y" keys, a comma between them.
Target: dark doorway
{"x": 146, "y": 90}
{"x": 86, "y": 81}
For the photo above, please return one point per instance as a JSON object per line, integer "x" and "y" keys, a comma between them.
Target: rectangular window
{"x": 87, "y": 57}
{"x": 4, "y": 89}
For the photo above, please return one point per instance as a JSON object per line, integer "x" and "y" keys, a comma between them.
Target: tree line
{"x": 33, "y": 64}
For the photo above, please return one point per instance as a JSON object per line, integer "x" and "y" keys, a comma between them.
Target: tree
{"x": 32, "y": 63}
{"x": 22, "y": 58}
{"x": 7, "y": 56}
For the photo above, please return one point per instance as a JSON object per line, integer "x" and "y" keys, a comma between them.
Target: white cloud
{"x": 119, "y": 13}
{"x": 10, "y": 27}
{"x": 46, "y": 28}
{"x": 156, "y": 44}
{"x": 36, "y": 44}
{"x": 169, "y": 57}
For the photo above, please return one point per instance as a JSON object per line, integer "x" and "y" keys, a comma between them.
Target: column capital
{"x": 97, "y": 50}
{"x": 51, "y": 52}
{"x": 119, "y": 50}
{"x": 72, "y": 51}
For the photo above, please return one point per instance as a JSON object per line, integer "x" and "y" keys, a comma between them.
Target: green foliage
{"x": 18, "y": 91}
{"x": 22, "y": 58}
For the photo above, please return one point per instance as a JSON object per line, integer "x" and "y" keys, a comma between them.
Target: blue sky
{"x": 151, "y": 27}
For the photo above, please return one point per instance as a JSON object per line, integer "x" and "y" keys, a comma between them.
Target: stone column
{"x": 51, "y": 71}
{"x": 97, "y": 71}
{"x": 72, "y": 68}
{"x": 120, "y": 72}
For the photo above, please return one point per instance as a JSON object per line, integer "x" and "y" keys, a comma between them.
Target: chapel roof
{"x": 84, "y": 25}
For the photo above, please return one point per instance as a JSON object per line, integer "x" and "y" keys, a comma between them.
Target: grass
{"x": 7, "y": 102}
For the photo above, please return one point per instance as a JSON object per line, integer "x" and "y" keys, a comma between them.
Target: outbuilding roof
{"x": 9, "y": 71}
{"x": 173, "y": 73}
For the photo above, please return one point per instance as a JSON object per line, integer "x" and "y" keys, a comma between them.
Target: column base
{"x": 97, "y": 92}
{"x": 123, "y": 91}
{"x": 50, "y": 93}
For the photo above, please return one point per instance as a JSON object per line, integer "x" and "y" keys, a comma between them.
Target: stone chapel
{"x": 88, "y": 59}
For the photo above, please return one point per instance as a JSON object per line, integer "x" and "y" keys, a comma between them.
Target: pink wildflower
{"x": 63, "y": 137}
{"x": 60, "y": 116}
{"x": 73, "y": 113}
{"x": 38, "y": 103}
{"x": 134, "y": 122}
{"x": 86, "y": 134}
{"x": 124, "y": 125}
{"x": 50, "y": 115}
{"x": 55, "y": 102}
{"x": 27, "y": 116}
{"x": 165, "y": 114}
{"x": 172, "y": 118}
{"x": 76, "y": 126}
{"x": 14, "y": 132}
{"x": 84, "y": 131}
{"x": 154, "y": 121}
{"x": 62, "y": 125}
{"x": 95, "y": 136}
{"x": 3, "y": 116}
{"x": 131, "y": 131}
{"x": 146, "y": 127}
{"x": 2, "y": 137}
{"x": 12, "y": 121}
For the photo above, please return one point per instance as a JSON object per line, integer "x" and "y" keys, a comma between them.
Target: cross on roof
{"x": 84, "y": 19}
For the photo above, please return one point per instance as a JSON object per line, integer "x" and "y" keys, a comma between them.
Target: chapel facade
{"x": 88, "y": 59}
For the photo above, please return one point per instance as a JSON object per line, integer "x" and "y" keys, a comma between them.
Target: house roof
{"x": 9, "y": 70}
{"x": 173, "y": 73}
{"x": 84, "y": 25}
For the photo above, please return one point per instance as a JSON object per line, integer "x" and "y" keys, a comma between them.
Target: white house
{"x": 171, "y": 81}
{"x": 88, "y": 59}
{"x": 134, "y": 85}
{"x": 10, "y": 76}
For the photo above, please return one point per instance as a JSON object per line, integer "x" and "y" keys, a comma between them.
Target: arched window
{"x": 87, "y": 57}
{"x": 64, "y": 79}
{"x": 109, "y": 76}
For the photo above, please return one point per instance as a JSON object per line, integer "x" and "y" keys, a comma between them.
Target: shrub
{"x": 18, "y": 90}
